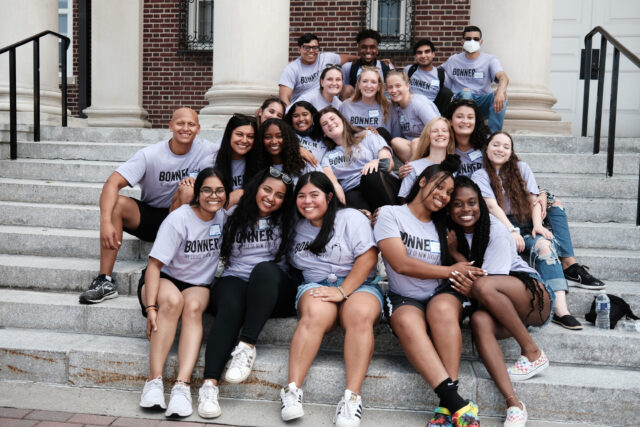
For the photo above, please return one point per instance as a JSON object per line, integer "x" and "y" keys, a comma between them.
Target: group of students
{"x": 285, "y": 202}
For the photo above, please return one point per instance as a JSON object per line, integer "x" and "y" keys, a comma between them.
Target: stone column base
{"x": 228, "y": 99}
{"x": 117, "y": 117}
{"x": 537, "y": 127}
{"x": 529, "y": 111}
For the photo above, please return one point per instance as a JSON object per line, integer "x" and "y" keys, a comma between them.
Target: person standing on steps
{"x": 163, "y": 170}
{"x": 470, "y": 74}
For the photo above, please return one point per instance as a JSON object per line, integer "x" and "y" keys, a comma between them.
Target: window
{"x": 196, "y": 25}
{"x": 65, "y": 25}
{"x": 392, "y": 19}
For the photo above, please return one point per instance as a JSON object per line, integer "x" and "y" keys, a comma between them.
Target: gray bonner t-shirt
{"x": 314, "y": 97}
{"x": 301, "y": 77}
{"x": 348, "y": 170}
{"x": 414, "y": 117}
{"x": 421, "y": 242}
{"x": 316, "y": 146}
{"x": 425, "y": 83}
{"x": 189, "y": 247}
{"x": 360, "y": 114}
{"x": 477, "y": 75}
{"x": 346, "y": 71}
{"x": 481, "y": 178}
{"x": 470, "y": 161}
{"x": 252, "y": 246}
{"x": 418, "y": 167}
{"x": 159, "y": 171}
{"x": 308, "y": 167}
{"x": 352, "y": 236}
{"x": 237, "y": 173}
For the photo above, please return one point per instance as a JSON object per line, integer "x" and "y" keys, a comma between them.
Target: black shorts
{"x": 394, "y": 301}
{"x": 179, "y": 284}
{"x": 150, "y": 220}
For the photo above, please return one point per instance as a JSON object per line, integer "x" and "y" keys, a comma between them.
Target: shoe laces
{"x": 208, "y": 392}
{"x": 155, "y": 383}
{"x": 292, "y": 397}
{"x": 583, "y": 269}
{"x": 240, "y": 357}
{"x": 180, "y": 389}
{"x": 347, "y": 408}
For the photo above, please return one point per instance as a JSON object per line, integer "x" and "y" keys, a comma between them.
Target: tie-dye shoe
{"x": 516, "y": 417}
{"x": 523, "y": 369}
{"x": 467, "y": 416}
{"x": 441, "y": 418}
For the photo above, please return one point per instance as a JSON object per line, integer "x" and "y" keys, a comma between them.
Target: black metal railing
{"x": 613, "y": 102}
{"x": 13, "y": 107}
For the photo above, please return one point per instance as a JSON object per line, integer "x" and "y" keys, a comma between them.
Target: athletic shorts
{"x": 179, "y": 284}
{"x": 150, "y": 220}
{"x": 394, "y": 301}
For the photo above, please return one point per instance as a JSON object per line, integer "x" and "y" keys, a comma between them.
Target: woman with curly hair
{"x": 512, "y": 296}
{"x": 510, "y": 190}
{"x": 470, "y": 134}
{"x": 255, "y": 284}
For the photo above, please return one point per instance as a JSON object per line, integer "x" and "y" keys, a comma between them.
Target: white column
{"x": 250, "y": 50}
{"x": 18, "y": 21}
{"x": 116, "y": 64}
{"x": 518, "y": 32}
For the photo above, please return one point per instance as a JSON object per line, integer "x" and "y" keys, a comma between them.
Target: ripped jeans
{"x": 546, "y": 264}
{"x": 557, "y": 219}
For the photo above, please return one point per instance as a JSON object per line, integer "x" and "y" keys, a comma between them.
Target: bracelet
{"x": 152, "y": 307}
{"x": 342, "y": 292}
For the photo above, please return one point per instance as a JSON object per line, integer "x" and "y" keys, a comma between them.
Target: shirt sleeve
{"x": 529, "y": 179}
{"x": 377, "y": 143}
{"x": 481, "y": 178}
{"x": 168, "y": 241}
{"x": 346, "y": 70}
{"x": 427, "y": 110}
{"x": 386, "y": 225}
{"x": 407, "y": 183}
{"x": 497, "y": 256}
{"x": 494, "y": 67}
{"x": 332, "y": 58}
{"x": 288, "y": 77}
{"x": 134, "y": 169}
{"x": 359, "y": 233}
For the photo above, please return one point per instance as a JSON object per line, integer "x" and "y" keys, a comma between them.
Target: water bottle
{"x": 603, "y": 308}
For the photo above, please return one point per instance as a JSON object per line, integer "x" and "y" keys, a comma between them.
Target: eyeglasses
{"x": 330, "y": 66}
{"x": 277, "y": 173}
{"x": 475, "y": 39}
{"x": 208, "y": 191}
{"x": 308, "y": 48}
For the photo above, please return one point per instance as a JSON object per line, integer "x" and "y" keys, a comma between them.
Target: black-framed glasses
{"x": 475, "y": 39}
{"x": 208, "y": 191}
{"x": 308, "y": 48}
{"x": 277, "y": 173}
{"x": 330, "y": 66}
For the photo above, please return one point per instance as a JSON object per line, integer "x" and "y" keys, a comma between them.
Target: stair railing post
{"x": 587, "y": 75}
{"x": 13, "y": 113}
{"x": 613, "y": 106}
{"x": 599, "y": 98}
{"x": 36, "y": 90}
{"x": 63, "y": 60}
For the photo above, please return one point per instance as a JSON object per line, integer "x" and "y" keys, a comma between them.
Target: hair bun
{"x": 451, "y": 163}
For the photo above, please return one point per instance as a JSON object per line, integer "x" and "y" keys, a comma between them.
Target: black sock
{"x": 447, "y": 391}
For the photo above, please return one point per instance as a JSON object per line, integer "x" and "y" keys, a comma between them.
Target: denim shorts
{"x": 369, "y": 286}
{"x": 552, "y": 298}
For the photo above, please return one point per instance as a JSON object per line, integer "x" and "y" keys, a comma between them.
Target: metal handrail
{"x": 13, "y": 107}
{"x": 613, "y": 102}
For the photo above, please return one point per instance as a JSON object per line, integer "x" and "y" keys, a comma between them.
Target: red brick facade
{"x": 172, "y": 79}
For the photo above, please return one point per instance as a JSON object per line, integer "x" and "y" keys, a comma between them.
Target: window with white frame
{"x": 65, "y": 27}
{"x": 196, "y": 25}
{"x": 392, "y": 19}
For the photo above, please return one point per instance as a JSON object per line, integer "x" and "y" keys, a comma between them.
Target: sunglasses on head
{"x": 330, "y": 66}
{"x": 277, "y": 173}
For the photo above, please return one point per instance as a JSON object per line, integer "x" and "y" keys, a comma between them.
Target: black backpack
{"x": 619, "y": 309}
{"x": 443, "y": 99}
{"x": 356, "y": 65}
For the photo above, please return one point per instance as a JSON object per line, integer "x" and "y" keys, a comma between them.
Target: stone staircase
{"x": 49, "y": 245}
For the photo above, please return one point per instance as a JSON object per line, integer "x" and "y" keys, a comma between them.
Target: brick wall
{"x": 72, "y": 89}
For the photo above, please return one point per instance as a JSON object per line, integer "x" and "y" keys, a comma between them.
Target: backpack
{"x": 619, "y": 309}
{"x": 443, "y": 99}
{"x": 356, "y": 65}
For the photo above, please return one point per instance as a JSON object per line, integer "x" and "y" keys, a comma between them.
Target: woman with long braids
{"x": 335, "y": 250}
{"x": 412, "y": 240}
{"x": 511, "y": 297}
{"x": 255, "y": 284}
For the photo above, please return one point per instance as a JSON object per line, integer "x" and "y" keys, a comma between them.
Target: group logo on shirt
{"x": 467, "y": 169}
{"x": 201, "y": 248}
{"x": 420, "y": 247}
{"x": 336, "y": 158}
{"x": 468, "y": 73}
{"x": 309, "y": 79}
{"x": 365, "y": 121}
{"x": 263, "y": 236}
{"x": 421, "y": 84}
{"x": 172, "y": 176}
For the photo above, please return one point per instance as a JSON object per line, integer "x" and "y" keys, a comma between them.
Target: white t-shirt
{"x": 421, "y": 242}
{"x": 418, "y": 166}
{"x": 301, "y": 77}
{"x": 414, "y": 117}
{"x": 159, "y": 171}
{"x": 189, "y": 247}
{"x": 348, "y": 170}
{"x": 477, "y": 75}
{"x": 470, "y": 161}
{"x": 425, "y": 83}
{"x": 360, "y": 114}
{"x": 352, "y": 236}
{"x": 481, "y": 178}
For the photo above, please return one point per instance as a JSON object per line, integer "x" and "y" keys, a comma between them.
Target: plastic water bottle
{"x": 603, "y": 308}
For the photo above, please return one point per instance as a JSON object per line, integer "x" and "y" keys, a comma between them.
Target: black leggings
{"x": 376, "y": 189}
{"x": 270, "y": 292}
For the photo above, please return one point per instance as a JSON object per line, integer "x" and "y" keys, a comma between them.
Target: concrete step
{"x": 58, "y": 170}
{"x": 56, "y": 192}
{"x": 60, "y": 312}
{"x": 100, "y": 151}
{"x": 116, "y": 135}
{"x": 611, "y": 264}
{"x": 579, "y": 300}
{"x": 625, "y": 163}
{"x": 64, "y": 274}
{"x": 605, "y": 209}
{"x": 582, "y": 185}
{"x": 606, "y": 235}
{"x": 121, "y": 363}
{"x": 50, "y": 215}
{"x": 570, "y": 144}
{"x": 41, "y": 241}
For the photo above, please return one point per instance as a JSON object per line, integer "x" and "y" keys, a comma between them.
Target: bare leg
{"x": 196, "y": 300}
{"x": 401, "y": 148}
{"x": 443, "y": 316}
{"x": 357, "y": 316}
{"x": 125, "y": 214}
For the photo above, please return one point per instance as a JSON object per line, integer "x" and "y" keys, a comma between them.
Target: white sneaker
{"x": 208, "y": 406}
{"x": 349, "y": 410}
{"x": 179, "y": 402}
{"x": 153, "y": 394}
{"x": 241, "y": 364}
{"x": 291, "y": 398}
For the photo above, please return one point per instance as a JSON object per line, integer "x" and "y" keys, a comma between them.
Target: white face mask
{"x": 471, "y": 46}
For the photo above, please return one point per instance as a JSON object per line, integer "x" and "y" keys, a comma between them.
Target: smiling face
{"x": 184, "y": 125}
{"x": 332, "y": 126}
{"x": 212, "y": 195}
{"x": 332, "y": 82}
{"x": 369, "y": 84}
{"x": 312, "y": 203}
{"x": 273, "y": 141}
{"x": 368, "y": 51}
{"x": 241, "y": 141}
{"x": 499, "y": 150}
{"x": 440, "y": 135}
{"x": 273, "y": 110}
{"x": 435, "y": 194}
{"x": 301, "y": 119}
{"x": 270, "y": 196}
{"x": 465, "y": 208}
{"x": 398, "y": 89}
{"x": 424, "y": 56}
{"x": 463, "y": 121}
{"x": 309, "y": 52}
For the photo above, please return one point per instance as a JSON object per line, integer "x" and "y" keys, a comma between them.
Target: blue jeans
{"x": 557, "y": 219}
{"x": 485, "y": 104}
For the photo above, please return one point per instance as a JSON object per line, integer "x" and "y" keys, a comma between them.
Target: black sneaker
{"x": 567, "y": 321}
{"x": 578, "y": 276}
{"x": 100, "y": 290}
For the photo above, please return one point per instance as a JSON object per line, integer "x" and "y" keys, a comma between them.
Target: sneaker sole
{"x": 157, "y": 406}
{"x": 236, "y": 381}
{"x": 178, "y": 414}
{"x": 575, "y": 284}
{"x": 516, "y": 378}
{"x": 110, "y": 296}
{"x": 215, "y": 414}
{"x": 294, "y": 416}
{"x": 571, "y": 328}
